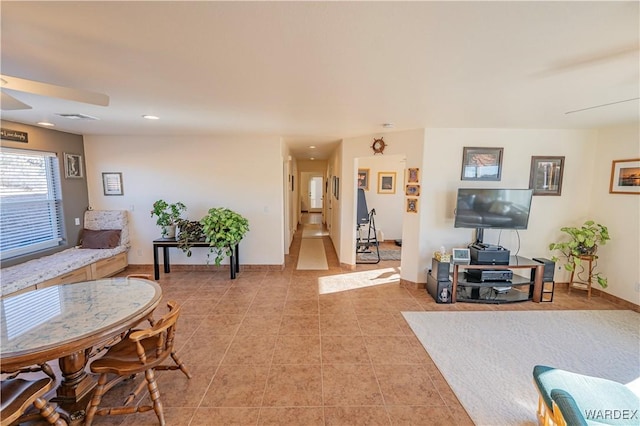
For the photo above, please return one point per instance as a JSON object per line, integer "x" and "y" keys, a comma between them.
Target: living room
{"x": 237, "y": 117}
{"x": 216, "y": 168}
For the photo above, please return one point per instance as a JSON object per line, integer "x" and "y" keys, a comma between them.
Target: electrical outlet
{"x": 638, "y": 287}
{"x": 139, "y": 252}
{"x": 77, "y": 221}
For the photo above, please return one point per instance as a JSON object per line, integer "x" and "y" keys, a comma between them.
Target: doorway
{"x": 315, "y": 194}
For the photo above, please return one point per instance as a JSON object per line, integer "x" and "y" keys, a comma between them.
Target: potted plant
{"x": 584, "y": 241}
{"x": 187, "y": 232}
{"x": 168, "y": 215}
{"x": 223, "y": 229}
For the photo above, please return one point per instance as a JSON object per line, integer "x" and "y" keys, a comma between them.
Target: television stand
{"x": 499, "y": 291}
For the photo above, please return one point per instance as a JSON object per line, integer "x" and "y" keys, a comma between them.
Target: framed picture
{"x": 386, "y": 182}
{"x": 112, "y": 183}
{"x": 73, "y": 166}
{"x": 625, "y": 177}
{"x": 545, "y": 177}
{"x": 412, "y": 205}
{"x": 481, "y": 163}
{"x": 413, "y": 175}
{"x": 413, "y": 190}
{"x": 336, "y": 187}
{"x": 363, "y": 179}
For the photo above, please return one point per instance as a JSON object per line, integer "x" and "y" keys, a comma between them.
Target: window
{"x": 30, "y": 202}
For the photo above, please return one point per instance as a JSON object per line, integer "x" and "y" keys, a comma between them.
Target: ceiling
{"x": 316, "y": 72}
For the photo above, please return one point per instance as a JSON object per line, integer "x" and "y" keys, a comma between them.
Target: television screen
{"x": 493, "y": 208}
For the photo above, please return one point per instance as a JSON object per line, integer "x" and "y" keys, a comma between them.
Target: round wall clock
{"x": 378, "y": 146}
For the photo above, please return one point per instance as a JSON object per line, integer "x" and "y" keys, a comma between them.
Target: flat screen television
{"x": 492, "y": 208}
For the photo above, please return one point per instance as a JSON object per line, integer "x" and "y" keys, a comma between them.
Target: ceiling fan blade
{"x": 9, "y": 103}
{"x": 53, "y": 91}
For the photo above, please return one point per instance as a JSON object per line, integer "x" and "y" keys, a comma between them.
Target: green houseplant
{"x": 583, "y": 241}
{"x": 168, "y": 215}
{"x": 223, "y": 229}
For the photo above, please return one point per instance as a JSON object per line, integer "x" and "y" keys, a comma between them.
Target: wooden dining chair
{"x": 141, "y": 351}
{"x": 18, "y": 395}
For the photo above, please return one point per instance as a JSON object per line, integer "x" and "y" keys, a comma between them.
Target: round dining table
{"x": 65, "y": 322}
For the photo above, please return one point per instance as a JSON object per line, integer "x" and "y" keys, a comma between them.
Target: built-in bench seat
{"x": 75, "y": 264}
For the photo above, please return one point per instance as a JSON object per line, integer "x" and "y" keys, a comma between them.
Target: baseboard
{"x": 412, "y": 285}
{"x": 205, "y": 268}
{"x": 607, "y": 296}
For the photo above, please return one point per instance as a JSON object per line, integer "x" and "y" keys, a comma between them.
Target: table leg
{"x": 156, "y": 267}
{"x": 237, "y": 257}
{"x": 232, "y": 264}
{"x": 454, "y": 284}
{"x": 165, "y": 253}
{"x": 76, "y": 383}
{"x": 537, "y": 284}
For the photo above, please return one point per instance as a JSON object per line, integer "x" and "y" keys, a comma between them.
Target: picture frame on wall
{"x": 363, "y": 179}
{"x": 412, "y": 205}
{"x": 480, "y": 163}
{"x": 412, "y": 190}
{"x": 625, "y": 177}
{"x": 413, "y": 175}
{"x": 73, "y": 168}
{"x": 545, "y": 177}
{"x": 112, "y": 183}
{"x": 386, "y": 182}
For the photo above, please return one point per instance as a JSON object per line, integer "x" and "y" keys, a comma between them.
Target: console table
{"x": 515, "y": 262}
{"x": 166, "y": 243}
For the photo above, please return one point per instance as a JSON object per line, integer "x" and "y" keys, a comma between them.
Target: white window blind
{"x": 30, "y": 202}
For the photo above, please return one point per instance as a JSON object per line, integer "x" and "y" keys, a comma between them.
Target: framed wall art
{"x": 112, "y": 183}
{"x": 412, "y": 190}
{"x": 73, "y": 166}
{"x": 386, "y": 182}
{"x": 363, "y": 179}
{"x": 479, "y": 163}
{"x": 413, "y": 175}
{"x": 412, "y": 205}
{"x": 545, "y": 177}
{"x": 625, "y": 177}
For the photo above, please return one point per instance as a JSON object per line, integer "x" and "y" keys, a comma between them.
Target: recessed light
{"x": 312, "y": 158}
{"x": 312, "y": 146}
{"x": 46, "y": 123}
{"x": 151, "y": 117}
{"x": 388, "y": 125}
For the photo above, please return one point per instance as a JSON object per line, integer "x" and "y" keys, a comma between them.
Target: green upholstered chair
{"x": 584, "y": 400}
{"x": 566, "y": 406}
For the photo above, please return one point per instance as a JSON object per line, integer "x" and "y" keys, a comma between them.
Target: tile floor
{"x": 278, "y": 348}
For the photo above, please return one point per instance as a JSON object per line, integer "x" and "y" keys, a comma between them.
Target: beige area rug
{"x": 488, "y": 357}
{"x": 313, "y": 230}
{"x": 312, "y": 255}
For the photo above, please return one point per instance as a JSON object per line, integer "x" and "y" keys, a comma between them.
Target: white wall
{"x": 389, "y": 207}
{"x": 619, "y": 258}
{"x": 408, "y": 144}
{"x": 443, "y": 158}
{"x": 244, "y": 174}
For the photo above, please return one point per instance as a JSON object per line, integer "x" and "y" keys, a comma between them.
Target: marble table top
{"x": 63, "y": 315}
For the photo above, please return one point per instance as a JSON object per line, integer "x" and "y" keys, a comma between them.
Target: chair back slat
{"x": 163, "y": 331}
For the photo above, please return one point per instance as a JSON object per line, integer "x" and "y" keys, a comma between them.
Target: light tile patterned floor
{"x": 277, "y": 348}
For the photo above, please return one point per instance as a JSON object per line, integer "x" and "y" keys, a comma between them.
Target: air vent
{"x": 78, "y": 117}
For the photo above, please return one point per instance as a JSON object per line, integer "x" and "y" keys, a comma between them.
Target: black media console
{"x": 496, "y": 282}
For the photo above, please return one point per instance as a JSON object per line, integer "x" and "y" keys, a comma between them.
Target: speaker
{"x": 439, "y": 290}
{"x": 549, "y": 269}
{"x": 439, "y": 270}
